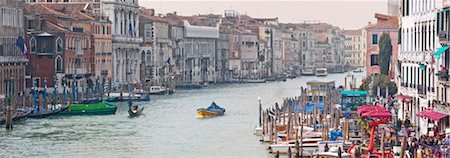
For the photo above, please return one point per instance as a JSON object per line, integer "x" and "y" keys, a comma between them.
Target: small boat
{"x": 21, "y": 114}
{"x": 157, "y": 90}
{"x": 359, "y": 70}
{"x": 134, "y": 110}
{"x": 308, "y": 71}
{"x": 99, "y": 108}
{"x": 115, "y": 97}
{"x": 188, "y": 86}
{"x": 43, "y": 114}
{"x": 255, "y": 81}
{"x": 212, "y": 110}
{"x": 321, "y": 72}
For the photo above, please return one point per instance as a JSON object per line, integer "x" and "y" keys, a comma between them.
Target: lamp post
{"x": 260, "y": 109}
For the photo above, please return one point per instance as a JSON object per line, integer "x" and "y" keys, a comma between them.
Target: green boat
{"x": 99, "y": 108}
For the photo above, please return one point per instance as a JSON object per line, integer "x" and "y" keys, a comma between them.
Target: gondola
{"x": 20, "y": 115}
{"x": 47, "y": 113}
{"x": 134, "y": 111}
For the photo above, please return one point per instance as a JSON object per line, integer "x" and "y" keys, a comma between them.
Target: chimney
{"x": 174, "y": 13}
{"x": 150, "y": 12}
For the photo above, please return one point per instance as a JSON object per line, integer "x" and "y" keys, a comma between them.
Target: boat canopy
{"x": 353, "y": 93}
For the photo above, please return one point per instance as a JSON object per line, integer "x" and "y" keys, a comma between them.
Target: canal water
{"x": 170, "y": 127}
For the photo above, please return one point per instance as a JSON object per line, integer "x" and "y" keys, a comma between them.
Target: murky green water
{"x": 169, "y": 128}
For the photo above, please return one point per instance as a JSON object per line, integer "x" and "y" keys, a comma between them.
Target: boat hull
{"x": 202, "y": 113}
{"x": 103, "y": 108}
{"x": 126, "y": 99}
{"x": 188, "y": 86}
{"x": 44, "y": 114}
{"x": 16, "y": 118}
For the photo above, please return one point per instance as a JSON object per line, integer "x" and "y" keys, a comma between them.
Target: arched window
{"x": 33, "y": 45}
{"x": 59, "y": 64}
{"x": 59, "y": 45}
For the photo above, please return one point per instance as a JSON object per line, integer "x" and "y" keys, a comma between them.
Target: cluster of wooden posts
{"x": 37, "y": 98}
{"x": 292, "y": 116}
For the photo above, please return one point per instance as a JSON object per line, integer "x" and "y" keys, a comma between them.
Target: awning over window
{"x": 441, "y": 50}
{"x": 431, "y": 114}
{"x": 404, "y": 98}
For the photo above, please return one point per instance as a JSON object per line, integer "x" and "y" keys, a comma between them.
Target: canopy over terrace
{"x": 431, "y": 114}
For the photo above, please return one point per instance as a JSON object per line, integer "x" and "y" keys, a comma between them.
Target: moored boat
{"x": 20, "y": 115}
{"x": 358, "y": 70}
{"x": 188, "y": 86}
{"x": 321, "y": 72}
{"x": 99, "y": 108}
{"x": 115, "y": 97}
{"x": 212, "y": 110}
{"x": 157, "y": 90}
{"x": 43, "y": 114}
{"x": 255, "y": 81}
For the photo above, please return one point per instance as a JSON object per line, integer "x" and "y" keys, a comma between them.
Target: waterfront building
{"x": 287, "y": 50}
{"x": 442, "y": 57}
{"x": 12, "y": 57}
{"x": 59, "y": 47}
{"x": 417, "y": 79}
{"x": 156, "y": 49}
{"x": 385, "y": 24}
{"x": 222, "y": 55}
{"x": 124, "y": 16}
{"x": 354, "y": 55}
{"x": 199, "y": 46}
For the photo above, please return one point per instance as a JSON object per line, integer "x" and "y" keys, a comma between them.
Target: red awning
{"x": 431, "y": 114}
{"x": 378, "y": 113}
{"x": 366, "y": 108}
{"x": 403, "y": 98}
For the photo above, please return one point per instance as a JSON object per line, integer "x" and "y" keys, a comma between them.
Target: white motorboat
{"x": 308, "y": 71}
{"x": 321, "y": 72}
{"x": 255, "y": 81}
{"x": 157, "y": 90}
{"x": 309, "y": 142}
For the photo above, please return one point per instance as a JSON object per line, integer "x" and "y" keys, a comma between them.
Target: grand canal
{"x": 169, "y": 128}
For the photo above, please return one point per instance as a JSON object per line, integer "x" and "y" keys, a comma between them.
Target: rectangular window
{"x": 374, "y": 39}
{"x": 373, "y": 59}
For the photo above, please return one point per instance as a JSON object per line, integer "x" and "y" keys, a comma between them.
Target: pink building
{"x": 385, "y": 24}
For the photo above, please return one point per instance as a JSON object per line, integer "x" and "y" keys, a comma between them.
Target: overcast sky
{"x": 347, "y": 14}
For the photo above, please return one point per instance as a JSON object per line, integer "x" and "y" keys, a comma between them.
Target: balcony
{"x": 443, "y": 35}
{"x": 127, "y": 39}
{"x": 421, "y": 90}
{"x": 443, "y": 75}
{"x": 80, "y": 71}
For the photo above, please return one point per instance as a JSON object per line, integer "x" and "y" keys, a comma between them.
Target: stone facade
{"x": 385, "y": 24}
{"x": 126, "y": 53}
{"x": 12, "y": 59}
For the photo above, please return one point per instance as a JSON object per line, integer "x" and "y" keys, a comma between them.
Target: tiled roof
{"x": 352, "y": 32}
{"x": 385, "y": 22}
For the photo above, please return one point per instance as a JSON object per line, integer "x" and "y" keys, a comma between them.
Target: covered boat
{"x": 99, "y": 108}
{"x": 212, "y": 110}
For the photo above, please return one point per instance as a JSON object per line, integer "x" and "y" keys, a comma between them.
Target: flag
{"x": 131, "y": 30}
{"x": 20, "y": 42}
{"x": 27, "y": 53}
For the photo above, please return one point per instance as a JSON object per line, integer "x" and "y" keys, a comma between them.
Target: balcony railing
{"x": 421, "y": 90}
{"x": 444, "y": 35}
{"x": 443, "y": 75}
